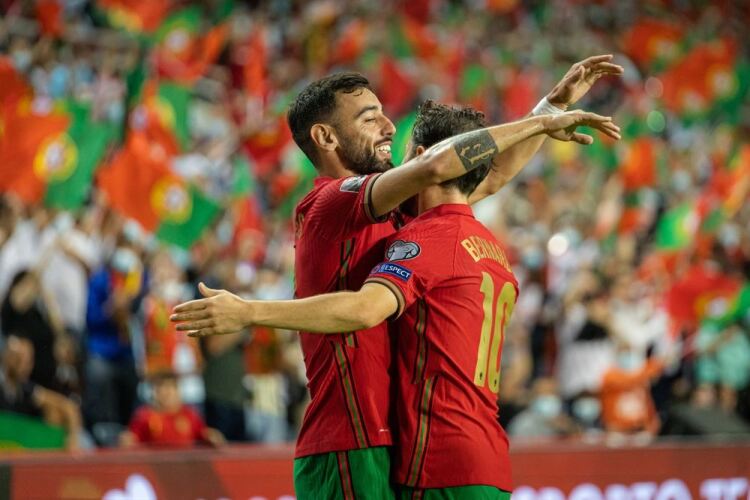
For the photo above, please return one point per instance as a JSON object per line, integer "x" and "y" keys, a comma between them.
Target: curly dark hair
{"x": 315, "y": 104}
{"x": 436, "y": 122}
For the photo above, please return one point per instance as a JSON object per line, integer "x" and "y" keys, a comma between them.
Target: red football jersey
{"x": 338, "y": 241}
{"x": 457, "y": 292}
{"x": 180, "y": 429}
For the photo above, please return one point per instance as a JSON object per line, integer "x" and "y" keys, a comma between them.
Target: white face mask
{"x": 124, "y": 260}
{"x": 587, "y": 409}
{"x": 629, "y": 361}
{"x": 547, "y": 406}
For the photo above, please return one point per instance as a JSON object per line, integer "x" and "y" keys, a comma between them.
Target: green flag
{"x": 404, "y": 127}
{"x": 73, "y": 158}
{"x": 184, "y": 233}
{"x": 676, "y": 228}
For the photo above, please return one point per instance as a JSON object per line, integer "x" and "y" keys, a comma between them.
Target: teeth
{"x": 385, "y": 149}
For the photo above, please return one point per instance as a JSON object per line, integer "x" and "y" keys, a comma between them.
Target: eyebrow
{"x": 365, "y": 110}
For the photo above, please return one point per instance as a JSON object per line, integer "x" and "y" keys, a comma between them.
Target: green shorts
{"x": 455, "y": 493}
{"x": 344, "y": 475}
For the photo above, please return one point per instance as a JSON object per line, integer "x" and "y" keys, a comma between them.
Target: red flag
{"x": 396, "y": 91}
{"x": 639, "y": 168}
{"x": 49, "y": 15}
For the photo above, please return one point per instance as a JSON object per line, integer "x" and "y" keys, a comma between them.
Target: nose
{"x": 388, "y": 127}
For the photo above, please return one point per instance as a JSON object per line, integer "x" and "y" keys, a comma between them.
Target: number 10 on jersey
{"x": 497, "y": 312}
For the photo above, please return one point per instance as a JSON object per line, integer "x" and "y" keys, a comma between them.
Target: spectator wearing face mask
{"x": 544, "y": 417}
{"x": 627, "y": 405}
{"x": 110, "y": 369}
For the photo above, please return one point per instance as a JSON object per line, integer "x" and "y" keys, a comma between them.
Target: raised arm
{"x": 221, "y": 312}
{"x": 457, "y": 155}
{"x": 574, "y": 85}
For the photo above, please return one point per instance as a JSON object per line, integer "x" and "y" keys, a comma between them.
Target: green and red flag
{"x": 182, "y": 53}
{"x": 397, "y": 90}
{"x": 677, "y": 227}
{"x": 52, "y": 158}
{"x": 412, "y": 39}
{"x": 474, "y": 86}
{"x": 134, "y": 16}
{"x": 351, "y": 43}
{"x": 254, "y": 73}
{"x": 162, "y": 113}
{"x": 139, "y": 184}
{"x": 710, "y": 77}
{"x": 653, "y": 43}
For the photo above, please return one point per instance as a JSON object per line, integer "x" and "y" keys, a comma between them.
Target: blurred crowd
{"x": 633, "y": 258}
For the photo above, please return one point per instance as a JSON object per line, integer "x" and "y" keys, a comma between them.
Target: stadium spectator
{"x": 545, "y": 417}
{"x": 627, "y": 405}
{"x": 111, "y": 378}
{"x": 167, "y": 422}
{"x": 18, "y": 394}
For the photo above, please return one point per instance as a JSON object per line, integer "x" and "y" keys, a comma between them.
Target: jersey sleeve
{"x": 413, "y": 263}
{"x": 139, "y": 425}
{"x": 344, "y": 207}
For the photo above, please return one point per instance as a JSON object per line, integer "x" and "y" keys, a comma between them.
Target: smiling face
{"x": 364, "y": 133}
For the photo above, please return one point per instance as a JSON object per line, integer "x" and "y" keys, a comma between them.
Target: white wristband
{"x": 546, "y": 108}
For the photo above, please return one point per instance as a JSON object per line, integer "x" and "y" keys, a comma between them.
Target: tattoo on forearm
{"x": 476, "y": 149}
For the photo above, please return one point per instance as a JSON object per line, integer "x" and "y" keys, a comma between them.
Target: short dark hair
{"x": 436, "y": 122}
{"x": 316, "y": 102}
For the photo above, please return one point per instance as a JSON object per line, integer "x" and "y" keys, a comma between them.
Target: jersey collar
{"x": 447, "y": 209}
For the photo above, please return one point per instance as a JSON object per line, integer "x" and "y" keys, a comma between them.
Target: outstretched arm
{"x": 574, "y": 85}
{"x": 221, "y": 312}
{"x": 457, "y": 155}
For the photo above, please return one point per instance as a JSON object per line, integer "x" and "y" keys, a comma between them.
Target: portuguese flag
{"x": 677, "y": 227}
{"x": 139, "y": 184}
{"x": 709, "y": 78}
{"x": 162, "y": 114}
{"x": 135, "y": 16}
{"x": 51, "y": 158}
{"x": 401, "y": 138}
{"x": 182, "y": 53}
{"x": 652, "y": 43}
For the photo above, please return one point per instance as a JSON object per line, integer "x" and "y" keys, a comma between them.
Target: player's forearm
{"x": 507, "y": 165}
{"x": 465, "y": 152}
{"x": 330, "y": 313}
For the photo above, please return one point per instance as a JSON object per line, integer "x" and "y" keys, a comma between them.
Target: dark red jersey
{"x": 457, "y": 292}
{"x": 338, "y": 241}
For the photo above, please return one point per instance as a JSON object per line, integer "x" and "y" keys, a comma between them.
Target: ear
{"x": 419, "y": 150}
{"x": 324, "y": 137}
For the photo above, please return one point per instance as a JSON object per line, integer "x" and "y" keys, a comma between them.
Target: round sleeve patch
{"x": 402, "y": 250}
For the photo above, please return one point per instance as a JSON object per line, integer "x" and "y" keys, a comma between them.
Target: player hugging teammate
{"x": 441, "y": 284}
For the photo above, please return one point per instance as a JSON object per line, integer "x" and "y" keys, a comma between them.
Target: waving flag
{"x": 181, "y": 52}
{"x": 653, "y": 43}
{"x": 139, "y": 184}
{"x": 135, "y": 16}
{"x": 52, "y": 157}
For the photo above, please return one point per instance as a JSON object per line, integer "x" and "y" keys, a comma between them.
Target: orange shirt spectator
{"x": 627, "y": 405}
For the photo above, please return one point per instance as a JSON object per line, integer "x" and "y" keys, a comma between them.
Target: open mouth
{"x": 384, "y": 149}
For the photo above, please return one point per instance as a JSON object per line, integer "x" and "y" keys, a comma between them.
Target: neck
{"x": 330, "y": 165}
{"x": 433, "y": 196}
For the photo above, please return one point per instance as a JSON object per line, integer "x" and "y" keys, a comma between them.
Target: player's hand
{"x": 580, "y": 78}
{"x": 563, "y": 126}
{"x": 219, "y": 313}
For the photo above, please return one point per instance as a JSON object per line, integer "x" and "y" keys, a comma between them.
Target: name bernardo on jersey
{"x": 479, "y": 249}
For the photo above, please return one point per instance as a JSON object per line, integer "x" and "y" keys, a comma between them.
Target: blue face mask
{"x": 587, "y": 409}
{"x": 547, "y": 406}
{"x": 628, "y": 361}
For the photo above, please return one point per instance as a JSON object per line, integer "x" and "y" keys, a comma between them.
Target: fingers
{"x": 207, "y": 292}
{"x": 189, "y": 316}
{"x": 608, "y": 69}
{"x": 582, "y": 138}
{"x": 610, "y": 129}
{"x": 206, "y": 332}
{"x": 195, "y": 325}
{"x": 193, "y": 305}
{"x": 593, "y": 60}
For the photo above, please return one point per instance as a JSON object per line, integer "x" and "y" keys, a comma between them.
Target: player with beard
{"x": 341, "y": 228}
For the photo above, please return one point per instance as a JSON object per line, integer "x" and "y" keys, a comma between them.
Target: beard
{"x": 361, "y": 160}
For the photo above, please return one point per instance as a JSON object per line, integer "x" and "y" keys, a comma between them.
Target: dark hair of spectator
{"x": 436, "y": 122}
{"x": 316, "y": 103}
